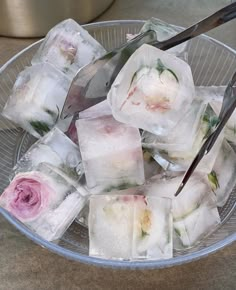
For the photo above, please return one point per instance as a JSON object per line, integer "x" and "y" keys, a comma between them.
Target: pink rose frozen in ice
{"x": 27, "y": 195}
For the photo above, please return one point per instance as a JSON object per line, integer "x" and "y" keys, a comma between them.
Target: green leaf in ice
{"x": 212, "y": 121}
{"x": 40, "y": 127}
{"x": 161, "y": 68}
{"x": 177, "y": 231}
{"x": 121, "y": 186}
{"x": 144, "y": 234}
{"x": 212, "y": 177}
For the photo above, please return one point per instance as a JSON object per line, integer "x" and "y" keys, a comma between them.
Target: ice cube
{"x": 195, "y": 213}
{"x": 98, "y": 110}
{"x": 180, "y": 160}
{"x": 183, "y": 135}
{"x": 152, "y": 234}
{"x": 68, "y": 46}
{"x": 110, "y": 227}
{"x": 222, "y": 176}
{"x": 44, "y": 201}
{"x": 230, "y": 127}
{"x": 214, "y": 95}
{"x": 210, "y": 93}
{"x": 111, "y": 153}
{"x": 130, "y": 227}
{"x": 57, "y": 149}
{"x": 152, "y": 91}
{"x": 165, "y": 31}
{"x": 37, "y": 99}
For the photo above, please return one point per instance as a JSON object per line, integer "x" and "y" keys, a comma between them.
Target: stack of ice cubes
{"x": 40, "y": 91}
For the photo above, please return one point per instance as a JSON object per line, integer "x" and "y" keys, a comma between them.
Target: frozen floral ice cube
{"x": 57, "y": 149}
{"x": 181, "y": 138}
{"x": 222, "y": 176}
{"x": 111, "y": 153}
{"x": 68, "y": 46}
{"x": 179, "y": 160}
{"x": 152, "y": 91}
{"x": 195, "y": 213}
{"x": 37, "y": 99}
{"x": 214, "y": 96}
{"x": 44, "y": 201}
{"x": 99, "y": 110}
{"x": 130, "y": 227}
{"x": 165, "y": 31}
{"x": 230, "y": 127}
{"x": 152, "y": 234}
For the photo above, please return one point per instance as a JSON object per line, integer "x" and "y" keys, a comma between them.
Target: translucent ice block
{"x": 99, "y": 110}
{"x": 182, "y": 137}
{"x": 195, "y": 213}
{"x": 210, "y": 93}
{"x": 152, "y": 91}
{"x": 230, "y": 127}
{"x": 165, "y": 31}
{"x": 179, "y": 160}
{"x": 214, "y": 95}
{"x": 44, "y": 201}
{"x": 111, "y": 153}
{"x": 37, "y": 99}
{"x": 130, "y": 227}
{"x": 222, "y": 176}
{"x": 57, "y": 149}
{"x": 68, "y": 46}
{"x": 152, "y": 234}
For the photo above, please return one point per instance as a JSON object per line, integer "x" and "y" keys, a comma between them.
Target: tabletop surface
{"x": 24, "y": 265}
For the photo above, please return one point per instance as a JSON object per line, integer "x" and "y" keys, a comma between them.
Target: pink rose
{"x": 27, "y": 195}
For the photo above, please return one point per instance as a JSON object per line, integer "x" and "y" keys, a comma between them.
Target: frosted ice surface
{"x": 111, "y": 153}
{"x": 152, "y": 91}
{"x": 130, "y": 227}
{"x": 68, "y": 46}
{"x": 37, "y": 99}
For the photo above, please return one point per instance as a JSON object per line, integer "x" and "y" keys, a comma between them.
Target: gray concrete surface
{"x": 26, "y": 266}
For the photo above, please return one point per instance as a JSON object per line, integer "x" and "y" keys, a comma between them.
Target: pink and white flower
{"x": 27, "y": 196}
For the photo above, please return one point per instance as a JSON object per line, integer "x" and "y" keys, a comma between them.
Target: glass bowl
{"x": 212, "y": 63}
